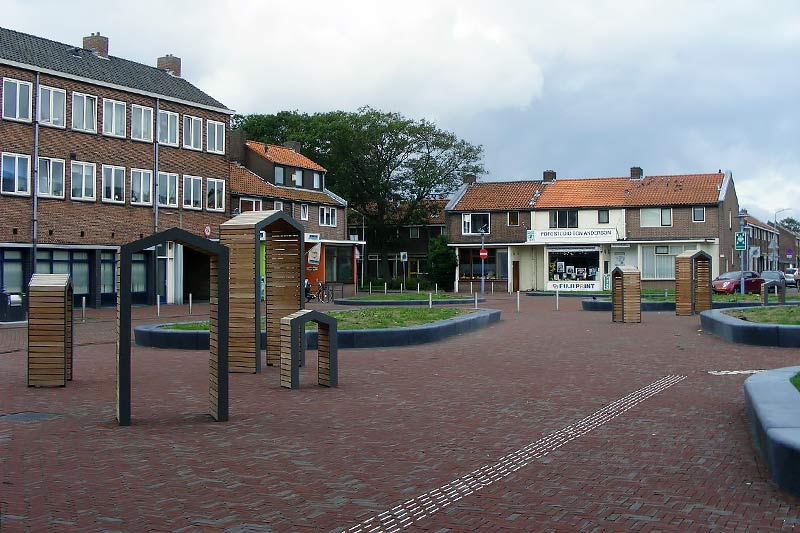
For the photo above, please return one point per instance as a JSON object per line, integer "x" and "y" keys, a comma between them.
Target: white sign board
{"x": 573, "y": 285}
{"x": 578, "y": 235}
{"x": 314, "y": 253}
{"x": 403, "y": 256}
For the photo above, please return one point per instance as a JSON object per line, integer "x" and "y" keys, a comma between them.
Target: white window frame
{"x": 17, "y": 110}
{"x": 703, "y": 212}
{"x": 16, "y": 192}
{"x": 327, "y": 216}
{"x": 110, "y": 128}
{"x": 251, "y": 200}
{"x": 52, "y": 90}
{"x": 508, "y": 219}
{"x": 138, "y": 174}
{"x": 170, "y": 115}
{"x": 413, "y": 232}
{"x": 219, "y": 145}
{"x": 192, "y": 179}
{"x": 661, "y": 211}
{"x": 83, "y": 197}
{"x": 297, "y": 173}
{"x": 303, "y": 211}
{"x": 48, "y": 162}
{"x": 219, "y": 197}
{"x": 145, "y": 110}
{"x": 277, "y": 205}
{"x": 191, "y": 133}
{"x": 114, "y": 175}
{"x": 467, "y": 225}
{"x": 282, "y": 173}
{"x": 317, "y": 180}
{"x": 84, "y": 96}
{"x": 170, "y": 179}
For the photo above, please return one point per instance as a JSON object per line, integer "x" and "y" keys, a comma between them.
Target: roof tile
{"x": 243, "y": 181}
{"x": 499, "y": 195}
{"x": 282, "y": 155}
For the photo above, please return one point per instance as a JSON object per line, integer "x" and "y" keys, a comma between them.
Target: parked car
{"x": 775, "y": 275}
{"x": 791, "y": 277}
{"x": 728, "y": 283}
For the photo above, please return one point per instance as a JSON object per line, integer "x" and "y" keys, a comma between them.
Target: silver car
{"x": 775, "y": 275}
{"x": 791, "y": 277}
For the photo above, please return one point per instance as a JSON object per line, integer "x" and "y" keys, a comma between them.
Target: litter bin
{"x": 11, "y": 309}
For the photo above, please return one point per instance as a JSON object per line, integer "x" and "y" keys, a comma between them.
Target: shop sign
{"x": 314, "y": 253}
{"x": 572, "y": 286}
{"x": 561, "y": 235}
{"x": 312, "y": 237}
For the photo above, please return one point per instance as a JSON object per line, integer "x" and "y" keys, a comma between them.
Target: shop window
{"x": 602, "y": 216}
{"x": 339, "y": 264}
{"x": 495, "y": 266}
{"x": 565, "y": 264}
{"x": 11, "y": 273}
{"x": 658, "y": 262}
{"x": 473, "y": 223}
{"x": 513, "y": 218}
{"x": 74, "y": 263}
{"x": 563, "y": 218}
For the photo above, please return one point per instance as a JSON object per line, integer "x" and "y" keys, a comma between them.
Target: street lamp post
{"x": 742, "y": 216}
{"x": 776, "y": 249}
{"x": 483, "y": 277}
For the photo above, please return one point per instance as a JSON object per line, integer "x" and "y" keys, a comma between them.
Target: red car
{"x": 728, "y": 283}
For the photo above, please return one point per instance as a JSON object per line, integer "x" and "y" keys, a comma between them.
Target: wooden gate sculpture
{"x": 780, "y": 289}
{"x": 626, "y": 295}
{"x": 293, "y": 348}
{"x": 692, "y": 282}
{"x": 218, "y": 319}
{"x": 49, "y": 330}
{"x": 284, "y": 273}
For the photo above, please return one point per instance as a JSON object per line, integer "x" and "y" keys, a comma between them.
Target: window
{"x": 141, "y": 123}
{"x": 655, "y": 217}
{"x": 168, "y": 128}
{"x": 327, "y": 216}
{"x": 413, "y": 232}
{"x": 16, "y": 174}
{"x": 82, "y": 181}
{"x": 602, "y": 216}
{"x": 277, "y": 205}
{"x": 75, "y": 263}
{"x": 513, "y": 218}
{"x": 564, "y": 218}
{"x": 51, "y": 177}
{"x": 113, "y": 184}
{"x": 11, "y": 274}
{"x": 167, "y": 189}
{"x": 249, "y": 204}
{"x": 52, "y": 107}
{"x": 192, "y": 192}
{"x": 192, "y": 132}
{"x": 317, "y": 180}
{"x": 84, "y": 112}
{"x": 303, "y": 211}
{"x": 298, "y": 178}
{"x": 698, "y": 214}
{"x": 435, "y": 231}
{"x": 17, "y": 99}
{"x": 216, "y": 137}
{"x": 278, "y": 175}
{"x": 141, "y": 187}
{"x": 471, "y": 223}
{"x": 658, "y": 262}
{"x": 215, "y": 194}
{"x": 113, "y": 118}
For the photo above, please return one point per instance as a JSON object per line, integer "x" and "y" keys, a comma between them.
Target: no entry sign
{"x": 484, "y": 254}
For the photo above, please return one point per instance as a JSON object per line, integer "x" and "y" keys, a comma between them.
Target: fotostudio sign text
{"x": 572, "y": 235}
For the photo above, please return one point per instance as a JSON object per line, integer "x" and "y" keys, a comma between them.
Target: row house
{"x": 98, "y": 151}
{"x": 268, "y": 177}
{"x": 762, "y": 244}
{"x": 788, "y": 245}
{"x": 569, "y": 234}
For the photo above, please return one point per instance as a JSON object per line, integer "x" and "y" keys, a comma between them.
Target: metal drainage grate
{"x": 29, "y": 416}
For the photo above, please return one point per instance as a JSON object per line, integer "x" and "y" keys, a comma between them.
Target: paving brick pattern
{"x": 403, "y": 422}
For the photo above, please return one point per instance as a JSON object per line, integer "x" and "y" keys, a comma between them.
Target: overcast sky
{"x": 585, "y": 88}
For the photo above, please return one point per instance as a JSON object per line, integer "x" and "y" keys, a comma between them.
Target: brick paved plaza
{"x": 403, "y": 422}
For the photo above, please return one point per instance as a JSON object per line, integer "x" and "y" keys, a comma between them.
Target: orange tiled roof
{"x": 685, "y": 189}
{"x": 437, "y": 217}
{"x": 588, "y": 192}
{"x": 246, "y": 182}
{"x": 753, "y": 221}
{"x": 498, "y": 195}
{"x": 283, "y": 156}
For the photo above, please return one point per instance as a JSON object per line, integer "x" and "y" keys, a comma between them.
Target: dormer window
{"x": 278, "y": 175}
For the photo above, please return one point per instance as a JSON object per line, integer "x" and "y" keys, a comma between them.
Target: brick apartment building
{"x": 268, "y": 176}
{"x": 98, "y": 151}
{"x": 762, "y": 240}
{"x": 570, "y": 233}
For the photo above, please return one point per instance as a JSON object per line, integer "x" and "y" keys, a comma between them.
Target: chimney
{"x": 636, "y": 173}
{"x": 171, "y": 64}
{"x": 294, "y": 146}
{"x": 237, "y": 148}
{"x": 470, "y": 179}
{"x": 548, "y": 176}
{"x": 97, "y": 44}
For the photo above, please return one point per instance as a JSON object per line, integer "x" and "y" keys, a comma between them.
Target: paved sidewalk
{"x": 403, "y": 422}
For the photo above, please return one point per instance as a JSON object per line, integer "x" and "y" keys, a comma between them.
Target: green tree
{"x": 442, "y": 263}
{"x": 791, "y": 224}
{"x": 385, "y": 165}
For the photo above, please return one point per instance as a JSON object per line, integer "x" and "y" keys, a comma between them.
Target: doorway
{"x": 515, "y": 275}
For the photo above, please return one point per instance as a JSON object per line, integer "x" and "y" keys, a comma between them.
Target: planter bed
{"x": 735, "y": 330}
{"x": 395, "y": 303}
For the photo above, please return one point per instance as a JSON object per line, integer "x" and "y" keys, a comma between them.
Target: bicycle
{"x": 324, "y": 293}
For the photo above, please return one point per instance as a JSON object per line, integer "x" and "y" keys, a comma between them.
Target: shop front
{"x": 494, "y": 268}
{"x": 575, "y": 259}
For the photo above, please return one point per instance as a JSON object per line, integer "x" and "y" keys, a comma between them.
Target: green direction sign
{"x": 740, "y": 241}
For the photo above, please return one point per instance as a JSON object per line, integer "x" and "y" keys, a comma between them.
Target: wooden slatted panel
{"x": 282, "y": 283}
{"x": 68, "y": 347}
{"x": 324, "y": 355}
{"x": 49, "y": 330}
{"x": 617, "y": 298}
{"x": 632, "y": 290}
{"x": 286, "y": 353}
{"x": 213, "y": 327}
{"x": 702, "y": 284}
{"x": 683, "y": 285}
{"x": 242, "y": 355}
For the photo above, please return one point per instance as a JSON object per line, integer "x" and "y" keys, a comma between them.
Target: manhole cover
{"x": 29, "y": 416}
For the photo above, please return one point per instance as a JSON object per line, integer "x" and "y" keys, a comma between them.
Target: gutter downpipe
{"x": 155, "y": 169}
{"x": 35, "y": 177}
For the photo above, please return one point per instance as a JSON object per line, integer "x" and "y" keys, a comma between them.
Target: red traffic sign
{"x": 207, "y": 230}
{"x": 484, "y": 254}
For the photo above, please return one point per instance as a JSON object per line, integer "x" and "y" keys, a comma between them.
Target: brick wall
{"x": 500, "y": 231}
{"x": 311, "y": 225}
{"x": 682, "y": 225}
{"x": 67, "y": 221}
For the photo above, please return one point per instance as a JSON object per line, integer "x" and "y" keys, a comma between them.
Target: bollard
{"x": 417, "y": 288}
{"x": 556, "y": 299}
{"x": 83, "y": 308}
{"x": 476, "y": 300}
{"x": 370, "y": 287}
{"x": 385, "y": 288}
{"x": 401, "y": 288}
{"x": 517, "y": 301}
{"x": 493, "y": 288}
{"x": 430, "y": 300}
{"x": 158, "y": 306}
{"x": 437, "y": 289}
{"x": 470, "y": 287}
{"x": 665, "y": 294}
{"x": 190, "y": 304}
